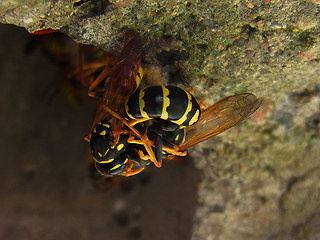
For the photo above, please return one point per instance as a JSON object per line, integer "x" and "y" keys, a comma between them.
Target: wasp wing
{"x": 221, "y": 116}
{"x": 120, "y": 81}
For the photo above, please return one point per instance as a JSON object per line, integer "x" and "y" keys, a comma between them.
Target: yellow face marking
{"x": 126, "y": 161}
{"x": 166, "y": 102}
{"x": 195, "y": 118}
{"x": 115, "y": 167}
{"x": 100, "y": 155}
{"x": 102, "y": 133}
{"x": 120, "y": 146}
{"x": 142, "y": 104}
{"x": 94, "y": 130}
{"x": 107, "y": 161}
{"x": 184, "y": 117}
{"x": 106, "y": 125}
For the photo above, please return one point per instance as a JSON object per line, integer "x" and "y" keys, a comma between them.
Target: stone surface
{"x": 260, "y": 179}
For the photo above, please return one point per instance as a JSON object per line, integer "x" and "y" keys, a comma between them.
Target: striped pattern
{"x": 166, "y": 102}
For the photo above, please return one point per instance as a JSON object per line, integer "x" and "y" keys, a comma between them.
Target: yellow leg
{"x": 87, "y": 137}
{"x": 134, "y": 141}
{"x": 108, "y": 65}
{"x": 142, "y": 156}
{"x": 136, "y": 121}
{"x": 174, "y": 151}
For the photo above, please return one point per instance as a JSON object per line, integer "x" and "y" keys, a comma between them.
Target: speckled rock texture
{"x": 260, "y": 180}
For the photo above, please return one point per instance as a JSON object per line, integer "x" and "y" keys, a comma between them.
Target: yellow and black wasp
{"x": 134, "y": 128}
{"x": 180, "y": 120}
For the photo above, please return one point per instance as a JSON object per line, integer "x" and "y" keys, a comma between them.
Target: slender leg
{"x": 142, "y": 156}
{"x": 85, "y": 70}
{"x": 87, "y": 137}
{"x": 103, "y": 75}
{"x": 174, "y": 151}
{"x": 136, "y": 121}
{"x": 134, "y": 141}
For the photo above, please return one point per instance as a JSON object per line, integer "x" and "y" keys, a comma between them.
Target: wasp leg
{"x": 121, "y": 131}
{"x": 174, "y": 151}
{"x": 87, "y": 69}
{"x": 146, "y": 143}
{"x": 129, "y": 171}
{"x": 103, "y": 75}
{"x": 131, "y": 139}
{"x": 142, "y": 156}
{"x": 87, "y": 137}
{"x": 158, "y": 147}
{"x": 108, "y": 65}
{"x": 144, "y": 138}
{"x": 84, "y": 71}
{"x": 136, "y": 121}
{"x": 156, "y": 133}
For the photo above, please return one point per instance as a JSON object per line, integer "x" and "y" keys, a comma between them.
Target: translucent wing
{"x": 120, "y": 81}
{"x": 221, "y": 116}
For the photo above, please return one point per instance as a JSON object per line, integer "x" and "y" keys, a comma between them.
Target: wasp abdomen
{"x": 166, "y": 102}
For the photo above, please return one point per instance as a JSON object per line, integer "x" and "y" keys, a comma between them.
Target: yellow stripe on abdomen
{"x": 195, "y": 118}
{"x": 142, "y": 105}
{"x": 165, "y": 103}
{"x": 184, "y": 116}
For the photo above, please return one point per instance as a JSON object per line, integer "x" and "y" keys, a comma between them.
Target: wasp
{"x": 183, "y": 123}
{"x": 134, "y": 128}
